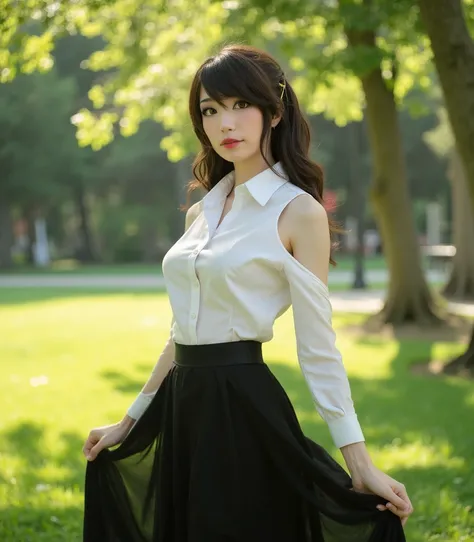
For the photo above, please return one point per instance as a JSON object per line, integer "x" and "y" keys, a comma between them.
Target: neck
{"x": 249, "y": 168}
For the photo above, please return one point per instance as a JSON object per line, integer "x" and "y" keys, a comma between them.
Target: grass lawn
{"x": 344, "y": 263}
{"x": 74, "y": 359}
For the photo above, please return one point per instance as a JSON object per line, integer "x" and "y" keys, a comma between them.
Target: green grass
{"x": 65, "y": 267}
{"x": 73, "y": 267}
{"x": 74, "y": 359}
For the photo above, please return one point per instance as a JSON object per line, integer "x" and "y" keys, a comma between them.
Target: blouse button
{"x": 193, "y": 315}
{"x": 195, "y": 252}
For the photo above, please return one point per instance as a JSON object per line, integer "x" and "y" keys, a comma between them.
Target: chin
{"x": 240, "y": 157}
{"x": 237, "y": 155}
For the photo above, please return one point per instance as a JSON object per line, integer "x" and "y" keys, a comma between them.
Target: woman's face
{"x": 234, "y": 128}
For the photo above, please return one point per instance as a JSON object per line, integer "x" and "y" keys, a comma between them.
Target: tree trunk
{"x": 461, "y": 282}
{"x": 6, "y": 236}
{"x": 86, "y": 252}
{"x": 30, "y": 217}
{"x": 463, "y": 363}
{"x": 453, "y": 50}
{"x": 358, "y": 195}
{"x": 409, "y": 298}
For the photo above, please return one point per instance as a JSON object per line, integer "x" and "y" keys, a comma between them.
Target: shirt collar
{"x": 261, "y": 187}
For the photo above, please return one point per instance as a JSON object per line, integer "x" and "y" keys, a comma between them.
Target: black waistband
{"x": 218, "y": 354}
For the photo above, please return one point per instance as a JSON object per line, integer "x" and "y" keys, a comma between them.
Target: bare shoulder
{"x": 192, "y": 213}
{"x": 304, "y": 231}
{"x": 305, "y": 216}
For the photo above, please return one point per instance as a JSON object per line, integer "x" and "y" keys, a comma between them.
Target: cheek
{"x": 253, "y": 120}
{"x": 207, "y": 125}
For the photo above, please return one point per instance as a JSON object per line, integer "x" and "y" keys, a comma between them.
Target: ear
{"x": 275, "y": 120}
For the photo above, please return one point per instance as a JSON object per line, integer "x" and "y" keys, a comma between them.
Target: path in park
{"x": 365, "y": 301}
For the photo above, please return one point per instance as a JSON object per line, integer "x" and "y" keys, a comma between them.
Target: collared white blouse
{"x": 230, "y": 282}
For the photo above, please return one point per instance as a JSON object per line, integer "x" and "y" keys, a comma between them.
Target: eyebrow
{"x": 206, "y": 100}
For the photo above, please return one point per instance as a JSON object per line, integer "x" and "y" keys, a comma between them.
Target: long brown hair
{"x": 256, "y": 77}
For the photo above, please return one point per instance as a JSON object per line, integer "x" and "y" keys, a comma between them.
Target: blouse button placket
{"x": 195, "y": 295}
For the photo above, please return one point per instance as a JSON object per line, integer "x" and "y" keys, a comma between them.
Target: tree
{"x": 33, "y": 128}
{"x": 69, "y": 53}
{"x": 137, "y": 224}
{"x": 453, "y": 52}
{"x": 340, "y": 54}
{"x": 363, "y": 56}
{"x": 461, "y": 281}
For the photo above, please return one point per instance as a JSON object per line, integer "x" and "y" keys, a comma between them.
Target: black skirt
{"x": 219, "y": 456}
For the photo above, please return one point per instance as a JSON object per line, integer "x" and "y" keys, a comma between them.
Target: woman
{"x": 211, "y": 450}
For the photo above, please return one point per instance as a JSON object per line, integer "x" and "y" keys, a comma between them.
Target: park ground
{"x": 74, "y": 358}
{"x": 68, "y": 267}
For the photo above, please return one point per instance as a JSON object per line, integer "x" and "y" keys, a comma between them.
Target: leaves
{"x": 33, "y": 125}
{"x": 153, "y": 48}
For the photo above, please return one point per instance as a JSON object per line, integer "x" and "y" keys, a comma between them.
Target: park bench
{"x": 439, "y": 256}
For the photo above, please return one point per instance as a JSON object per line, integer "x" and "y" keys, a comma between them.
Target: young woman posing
{"x": 211, "y": 450}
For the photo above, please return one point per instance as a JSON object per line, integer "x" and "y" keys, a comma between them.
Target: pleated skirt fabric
{"x": 219, "y": 456}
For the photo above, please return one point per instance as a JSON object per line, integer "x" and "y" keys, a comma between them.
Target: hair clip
{"x": 283, "y": 85}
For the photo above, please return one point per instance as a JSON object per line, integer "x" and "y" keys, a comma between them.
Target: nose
{"x": 227, "y": 122}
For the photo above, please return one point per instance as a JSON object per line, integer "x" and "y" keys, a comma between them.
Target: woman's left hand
{"x": 373, "y": 480}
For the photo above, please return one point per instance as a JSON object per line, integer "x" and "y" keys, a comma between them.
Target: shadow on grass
{"x": 126, "y": 384}
{"x": 29, "y": 516}
{"x": 430, "y": 416}
{"x": 26, "y": 443}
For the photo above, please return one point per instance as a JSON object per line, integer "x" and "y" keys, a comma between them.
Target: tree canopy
{"x": 153, "y": 47}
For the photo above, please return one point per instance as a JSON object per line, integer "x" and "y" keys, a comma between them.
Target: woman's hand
{"x": 105, "y": 437}
{"x": 373, "y": 480}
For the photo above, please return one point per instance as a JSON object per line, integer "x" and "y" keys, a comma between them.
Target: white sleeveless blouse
{"x": 231, "y": 282}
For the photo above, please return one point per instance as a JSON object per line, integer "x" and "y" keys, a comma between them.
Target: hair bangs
{"x": 227, "y": 77}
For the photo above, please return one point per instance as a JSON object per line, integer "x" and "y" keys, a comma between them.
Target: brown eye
{"x": 208, "y": 111}
{"x": 242, "y": 104}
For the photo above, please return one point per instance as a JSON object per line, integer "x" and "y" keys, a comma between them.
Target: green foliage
{"x": 139, "y": 197}
{"x": 48, "y": 169}
{"x": 152, "y": 48}
{"x": 34, "y": 128}
{"x": 441, "y": 138}
{"x": 154, "y": 54}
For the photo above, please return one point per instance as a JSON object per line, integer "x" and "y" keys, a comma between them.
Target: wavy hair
{"x": 256, "y": 77}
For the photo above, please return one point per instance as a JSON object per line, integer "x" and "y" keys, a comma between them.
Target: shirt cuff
{"x": 345, "y": 430}
{"x": 141, "y": 403}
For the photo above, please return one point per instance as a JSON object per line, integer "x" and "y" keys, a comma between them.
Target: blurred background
{"x": 96, "y": 149}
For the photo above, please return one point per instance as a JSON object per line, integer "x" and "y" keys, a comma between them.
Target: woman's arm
{"x": 165, "y": 360}
{"x": 158, "y": 374}
{"x": 304, "y": 231}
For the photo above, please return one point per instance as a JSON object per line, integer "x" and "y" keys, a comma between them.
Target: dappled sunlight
{"x": 416, "y": 454}
{"x": 88, "y": 355}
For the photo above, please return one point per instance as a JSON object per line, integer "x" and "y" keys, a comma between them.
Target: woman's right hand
{"x": 105, "y": 437}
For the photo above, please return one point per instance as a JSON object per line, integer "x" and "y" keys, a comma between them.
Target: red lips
{"x": 229, "y": 141}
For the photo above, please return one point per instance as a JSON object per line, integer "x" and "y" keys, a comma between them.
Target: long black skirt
{"x": 219, "y": 456}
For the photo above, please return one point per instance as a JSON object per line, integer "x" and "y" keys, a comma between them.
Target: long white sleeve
{"x": 318, "y": 356}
